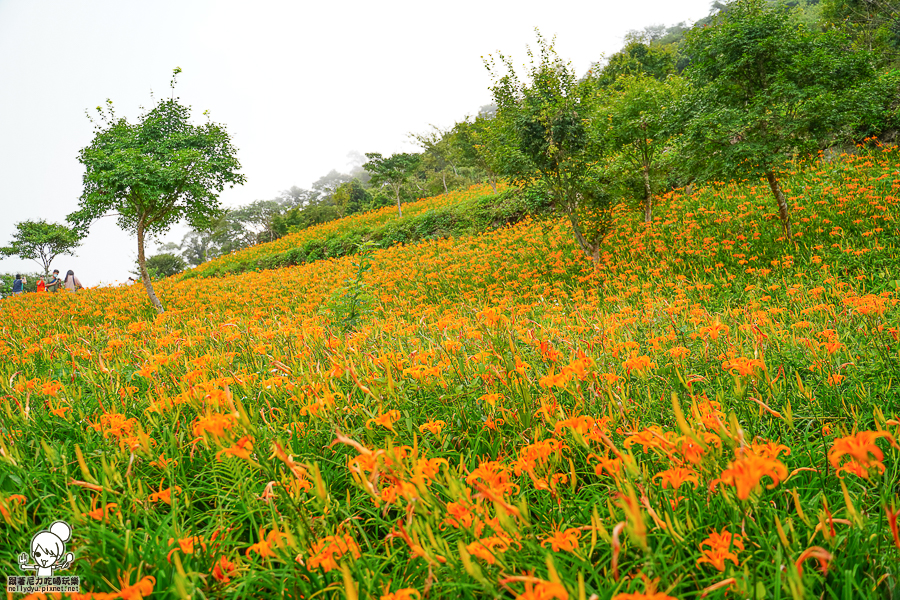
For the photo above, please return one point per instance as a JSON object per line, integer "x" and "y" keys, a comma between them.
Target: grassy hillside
{"x": 453, "y": 214}
{"x": 712, "y": 409}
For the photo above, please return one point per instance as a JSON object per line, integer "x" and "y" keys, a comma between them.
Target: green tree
{"x": 350, "y": 197}
{"x": 196, "y": 247}
{"x": 155, "y": 172}
{"x": 314, "y": 210}
{"x": 255, "y": 220}
{"x": 440, "y": 155}
{"x": 297, "y": 197}
{"x": 548, "y": 121}
{"x": 394, "y": 171}
{"x": 874, "y": 24}
{"x": 636, "y": 125}
{"x": 639, "y": 56}
{"x": 223, "y": 235}
{"x": 326, "y": 184}
{"x": 486, "y": 143}
{"x": 164, "y": 264}
{"x": 41, "y": 242}
{"x": 764, "y": 88}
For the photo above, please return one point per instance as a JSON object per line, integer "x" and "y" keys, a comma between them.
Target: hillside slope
{"x": 453, "y": 214}
{"x": 711, "y": 407}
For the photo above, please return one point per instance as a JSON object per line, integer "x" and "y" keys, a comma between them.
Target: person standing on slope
{"x": 71, "y": 282}
{"x": 55, "y": 282}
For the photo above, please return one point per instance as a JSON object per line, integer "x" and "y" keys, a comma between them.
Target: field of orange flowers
{"x": 713, "y": 412}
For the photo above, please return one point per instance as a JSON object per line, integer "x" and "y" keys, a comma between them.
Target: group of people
{"x": 54, "y": 284}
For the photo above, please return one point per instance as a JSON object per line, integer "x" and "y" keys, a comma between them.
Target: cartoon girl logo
{"x": 47, "y": 549}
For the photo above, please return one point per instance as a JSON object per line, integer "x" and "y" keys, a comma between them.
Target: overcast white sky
{"x": 298, "y": 84}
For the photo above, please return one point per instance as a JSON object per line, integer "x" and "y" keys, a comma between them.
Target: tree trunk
{"x": 648, "y": 195}
{"x": 444, "y": 181}
{"x": 782, "y": 204}
{"x": 142, "y": 264}
{"x": 592, "y": 251}
{"x": 45, "y": 262}
{"x": 494, "y": 185}
{"x": 399, "y": 209}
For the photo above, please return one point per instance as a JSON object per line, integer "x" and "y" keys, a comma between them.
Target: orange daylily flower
{"x": 267, "y": 544}
{"x": 565, "y": 541}
{"x": 224, "y": 570}
{"x": 162, "y": 462}
{"x": 185, "y": 545}
{"x": 459, "y": 514}
{"x": 543, "y": 590}
{"x": 651, "y": 437}
{"x": 743, "y": 366}
{"x": 487, "y": 548}
{"x": 821, "y": 554}
{"x": 326, "y": 552}
{"x": 61, "y": 411}
{"x": 676, "y": 477}
{"x": 640, "y": 364}
{"x": 164, "y": 495}
{"x": 893, "y": 517}
{"x": 713, "y": 331}
{"x": 494, "y": 475}
{"x": 770, "y": 449}
{"x": 746, "y": 472}
{"x": 835, "y": 379}
{"x": 612, "y": 466}
{"x": 103, "y": 512}
{"x": 241, "y": 449}
{"x": 862, "y": 449}
{"x": 552, "y": 379}
{"x": 721, "y": 546}
{"x": 679, "y": 352}
{"x": 435, "y": 427}
{"x": 610, "y": 378}
{"x": 386, "y": 420}
{"x": 402, "y": 594}
{"x": 299, "y": 471}
{"x": 214, "y": 424}
{"x": 6, "y": 504}
{"x": 138, "y": 590}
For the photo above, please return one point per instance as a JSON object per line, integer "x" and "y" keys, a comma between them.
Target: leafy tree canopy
{"x": 350, "y": 197}
{"x": 485, "y": 143}
{"x": 156, "y": 172}
{"x": 326, "y": 184}
{"x": 440, "y": 154}
{"x": 636, "y": 125}
{"x": 551, "y": 142}
{"x": 765, "y": 87}
{"x": 638, "y": 57}
{"x": 393, "y": 171}
{"x": 874, "y": 24}
{"x": 41, "y": 242}
{"x": 255, "y": 219}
